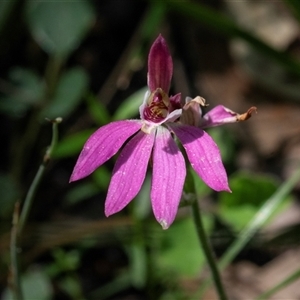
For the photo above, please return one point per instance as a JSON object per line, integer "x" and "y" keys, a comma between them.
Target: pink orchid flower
{"x": 152, "y": 136}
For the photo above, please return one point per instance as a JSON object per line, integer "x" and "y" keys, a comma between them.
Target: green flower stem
{"x": 18, "y": 223}
{"x": 207, "y": 250}
{"x": 279, "y": 286}
{"x": 14, "y": 278}
{"x": 37, "y": 179}
{"x": 256, "y": 223}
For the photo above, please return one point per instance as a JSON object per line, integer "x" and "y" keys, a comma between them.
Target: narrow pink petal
{"x": 102, "y": 145}
{"x": 222, "y": 115}
{"x": 168, "y": 177}
{"x": 204, "y": 155}
{"x": 129, "y": 172}
{"x": 160, "y": 66}
{"x": 219, "y": 115}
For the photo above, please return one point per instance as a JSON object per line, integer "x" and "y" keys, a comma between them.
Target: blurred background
{"x": 86, "y": 61}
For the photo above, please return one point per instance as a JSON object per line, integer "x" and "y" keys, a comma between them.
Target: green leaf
{"x": 59, "y": 26}
{"x": 200, "y": 187}
{"x": 71, "y": 87}
{"x": 97, "y": 110}
{"x": 26, "y": 90}
{"x": 138, "y": 265}
{"x": 153, "y": 19}
{"x": 130, "y": 107}
{"x": 80, "y": 193}
{"x": 72, "y": 144}
{"x": 249, "y": 192}
{"x": 102, "y": 177}
{"x": 238, "y": 217}
{"x": 182, "y": 253}
{"x": 248, "y": 188}
{"x": 35, "y": 285}
{"x": 142, "y": 204}
{"x": 12, "y": 108}
{"x": 71, "y": 286}
{"x": 225, "y": 142}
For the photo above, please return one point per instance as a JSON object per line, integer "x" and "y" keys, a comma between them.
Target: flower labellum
{"x": 161, "y": 117}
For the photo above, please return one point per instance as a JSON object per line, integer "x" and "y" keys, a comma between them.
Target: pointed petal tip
{"x": 164, "y": 224}
{"x": 222, "y": 189}
{"x": 106, "y": 213}
{"x": 159, "y": 38}
{"x": 228, "y": 190}
{"x": 73, "y": 177}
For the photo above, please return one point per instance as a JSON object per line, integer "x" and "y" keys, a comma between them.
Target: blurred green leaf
{"x": 35, "y": 285}
{"x": 102, "y": 177}
{"x": 72, "y": 144}
{"x": 28, "y": 86}
{"x": 153, "y": 19}
{"x": 70, "y": 90}
{"x": 250, "y": 191}
{"x": 63, "y": 261}
{"x": 9, "y": 195}
{"x": 97, "y": 110}
{"x": 59, "y": 26}
{"x": 201, "y": 188}
{"x": 13, "y": 108}
{"x": 180, "y": 253}
{"x": 142, "y": 203}
{"x": 138, "y": 265}
{"x": 248, "y": 188}
{"x": 23, "y": 90}
{"x": 130, "y": 106}
{"x": 225, "y": 142}
{"x": 71, "y": 286}
{"x": 80, "y": 193}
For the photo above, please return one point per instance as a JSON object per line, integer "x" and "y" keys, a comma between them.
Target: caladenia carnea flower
{"x": 162, "y": 120}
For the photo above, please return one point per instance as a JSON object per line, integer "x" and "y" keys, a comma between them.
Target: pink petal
{"x": 129, "y": 172}
{"x": 168, "y": 177}
{"x": 219, "y": 115}
{"x": 204, "y": 155}
{"x": 175, "y": 102}
{"x": 160, "y": 66}
{"x": 102, "y": 145}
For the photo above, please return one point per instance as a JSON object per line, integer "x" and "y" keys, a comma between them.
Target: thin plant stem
{"x": 37, "y": 179}
{"x": 207, "y": 249}
{"x": 14, "y": 278}
{"x": 19, "y": 223}
{"x": 280, "y": 286}
{"x": 256, "y": 223}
